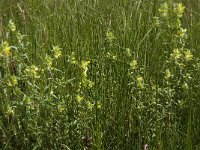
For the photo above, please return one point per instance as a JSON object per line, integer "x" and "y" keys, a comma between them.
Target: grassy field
{"x": 99, "y": 75}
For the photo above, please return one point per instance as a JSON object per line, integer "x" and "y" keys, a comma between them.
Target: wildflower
{"x": 179, "y": 9}
{"x": 6, "y": 49}
{"x": 32, "y": 71}
{"x": 140, "y": 82}
{"x": 27, "y": 100}
{"x": 188, "y": 55}
{"x": 79, "y": 98}
{"x": 72, "y": 58}
{"x": 10, "y": 111}
{"x": 164, "y": 10}
{"x": 84, "y": 64}
{"x": 61, "y": 108}
{"x": 19, "y": 37}
{"x": 90, "y": 84}
{"x": 128, "y": 52}
{"x": 114, "y": 57}
{"x": 89, "y": 105}
{"x": 110, "y": 36}
{"x": 108, "y": 55}
{"x": 182, "y": 33}
{"x": 156, "y": 21}
{"x": 167, "y": 74}
{"x": 133, "y": 64}
{"x": 57, "y": 52}
{"x": 98, "y": 105}
{"x": 13, "y": 80}
{"x": 12, "y": 26}
{"x": 176, "y": 54}
{"x": 48, "y": 61}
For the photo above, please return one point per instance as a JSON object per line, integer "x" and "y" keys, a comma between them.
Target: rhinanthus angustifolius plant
{"x": 99, "y": 75}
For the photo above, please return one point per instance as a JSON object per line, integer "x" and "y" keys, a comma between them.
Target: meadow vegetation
{"x": 97, "y": 74}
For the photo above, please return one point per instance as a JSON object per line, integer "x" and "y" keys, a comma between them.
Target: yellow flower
{"x": 12, "y": 26}
{"x": 19, "y": 37}
{"x": 188, "y": 55}
{"x": 179, "y": 9}
{"x": 128, "y": 52}
{"x": 27, "y": 100}
{"x": 98, "y": 105}
{"x": 79, "y": 98}
{"x": 57, "y": 52}
{"x": 182, "y": 33}
{"x": 176, "y": 54}
{"x": 167, "y": 74}
{"x": 84, "y": 64}
{"x": 72, "y": 58}
{"x": 164, "y": 10}
{"x": 89, "y": 105}
{"x": 133, "y": 64}
{"x": 9, "y": 111}
{"x": 6, "y": 49}
{"x": 32, "y": 71}
{"x": 90, "y": 84}
{"x": 110, "y": 36}
{"x": 140, "y": 82}
{"x": 48, "y": 61}
{"x": 61, "y": 108}
{"x": 14, "y": 80}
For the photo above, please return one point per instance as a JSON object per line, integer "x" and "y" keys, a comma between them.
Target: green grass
{"x": 122, "y": 79}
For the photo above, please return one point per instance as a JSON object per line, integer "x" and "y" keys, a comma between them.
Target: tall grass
{"x": 94, "y": 74}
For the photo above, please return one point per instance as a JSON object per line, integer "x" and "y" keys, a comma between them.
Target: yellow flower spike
{"x": 164, "y": 10}
{"x": 140, "y": 82}
{"x": 12, "y": 26}
{"x": 114, "y": 57}
{"x": 57, "y": 52}
{"x": 19, "y": 37}
{"x": 72, "y": 58}
{"x": 9, "y": 111}
{"x": 14, "y": 80}
{"x": 98, "y": 105}
{"x": 84, "y": 74}
{"x": 89, "y": 105}
{"x": 110, "y": 36}
{"x": 179, "y": 9}
{"x": 188, "y": 55}
{"x": 90, "y": 84}
{"x": 128, "y": 52}
{"x": 167, "y": 74}
{"x": 27, "y": 100}
{"x": 79, "y": 98}
{"x": 133, "y": 64}
{"x": 32, "y": 71}
{"x": 6, "y": 49}
{"x": 176, "y": 54}
{"x": 48, "y": 61}
{"x": 61, "y": 108}
{"x": 84, "y": 64}
{"x": 182, "y": 33}
{"x": 108, "y": 55}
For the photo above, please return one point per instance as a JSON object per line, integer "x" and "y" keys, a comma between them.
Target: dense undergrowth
{"x": 113, "y": 75}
